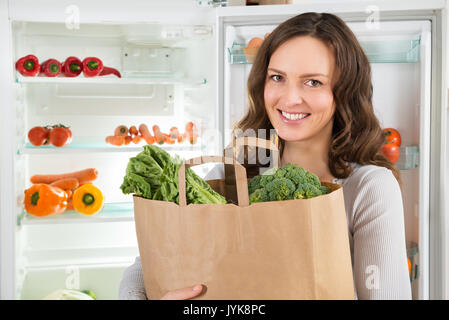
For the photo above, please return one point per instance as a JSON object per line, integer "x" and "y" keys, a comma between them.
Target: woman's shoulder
{"x": 362, "y": 175}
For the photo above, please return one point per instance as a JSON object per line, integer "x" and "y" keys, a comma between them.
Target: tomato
{"x": 38, "y": 136}
{"x": 392, "y": 135}
{"x": 60, "y": 136}
{"x": 391, "y": 151}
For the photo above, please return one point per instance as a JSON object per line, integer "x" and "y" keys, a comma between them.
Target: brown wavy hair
{"x": 356, "y": 134}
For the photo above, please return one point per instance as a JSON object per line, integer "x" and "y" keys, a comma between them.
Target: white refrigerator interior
{"x": 168, "y": 79}
{"x": 183, "y": 61}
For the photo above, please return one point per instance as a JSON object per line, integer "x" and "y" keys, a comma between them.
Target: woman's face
{"x": 298, "y": 89}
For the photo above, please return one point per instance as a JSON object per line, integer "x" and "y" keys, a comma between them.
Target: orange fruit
{"x": 255, "y": 42}
{"x": 409, "y": 266}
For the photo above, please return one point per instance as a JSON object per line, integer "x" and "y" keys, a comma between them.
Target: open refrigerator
{"x": 184, "y": 61}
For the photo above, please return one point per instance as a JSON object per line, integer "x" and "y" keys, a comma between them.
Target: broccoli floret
{"x": 259, "y": 195}
{"x": 299, "y": 193}
{"x": 312, "y": 179}
{"x": 306, "y": 191}
{"x": 280, "y": 189}
{"x": 294, "y": 173}
{"x": 254, "y": 184}
{"x": 280, "y": 173}
{"x": 325, "y": 190}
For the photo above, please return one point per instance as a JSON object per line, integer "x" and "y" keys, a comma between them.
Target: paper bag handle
{"x": 240, "y": 177}
{"x": 258, "y": 142}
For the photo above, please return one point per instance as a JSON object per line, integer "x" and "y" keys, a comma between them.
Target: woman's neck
{"x": 310, "y": 154}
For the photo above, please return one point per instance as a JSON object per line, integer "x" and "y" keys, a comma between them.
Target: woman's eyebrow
{"x": 305, "y": 75}
{"x": 275, "y": 70}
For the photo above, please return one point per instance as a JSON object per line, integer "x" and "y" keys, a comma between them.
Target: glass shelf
{"x": 236, "y": 54}
{"x": 111, "y": 212}
{"x": 408, "y": 157}
{"x": 392, "y": 51}
{"x": 99, "y": 146}
{"x": 387, "y": 51}
{"x": 110, "y": 80}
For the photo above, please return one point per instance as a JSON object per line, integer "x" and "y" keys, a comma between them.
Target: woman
{"x": 311, "y": 82}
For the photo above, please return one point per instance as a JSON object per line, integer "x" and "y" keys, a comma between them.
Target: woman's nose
{"x": 294, "y": 95}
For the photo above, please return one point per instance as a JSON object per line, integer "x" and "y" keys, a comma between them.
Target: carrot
{"x": 146, "y": 135}
{"x": 158, "y": 136}
{"x": 121, "y": 131}
{"x": 128, "y": 140}
{"x": 181, "y": 138}
{"x": 137, "y": 139}
{"x": 174, "y": 133}
{"x": 85, "y": 182}
{"x": 69, "y": 205}
{"x": 66, "y": 184}
{"x": 82, "y": 176}
{"x": 133, "y": 131}
{"x": 115, "y": 140}
{"x": 168, "y": 139}
{"x": 190, "y": 133}
{"x": 189, "y": 126}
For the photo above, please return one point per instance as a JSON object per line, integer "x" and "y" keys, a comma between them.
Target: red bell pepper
{"x": 72, "y": 67}
{"x": 51, "y": 68}
{"x": 28, "y": 66}
{"x": 107, "y": 70}
{"x": 92, "y": 66}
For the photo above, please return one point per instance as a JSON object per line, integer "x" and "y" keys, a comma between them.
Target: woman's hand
{"x": 184, "y": 293}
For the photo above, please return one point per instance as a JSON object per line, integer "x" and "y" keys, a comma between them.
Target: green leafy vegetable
{"x": 153, "y": 174}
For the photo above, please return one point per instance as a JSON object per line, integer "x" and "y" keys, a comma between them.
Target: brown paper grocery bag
{"x": 294, "y": 249}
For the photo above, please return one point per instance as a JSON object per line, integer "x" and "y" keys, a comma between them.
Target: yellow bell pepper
{"x": 88, "y": 199}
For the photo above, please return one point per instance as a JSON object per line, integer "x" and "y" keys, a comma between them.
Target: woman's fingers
{"x": 184, "y": 293}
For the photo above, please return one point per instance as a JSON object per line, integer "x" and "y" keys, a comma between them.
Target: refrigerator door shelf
{"x": 112, "y": 212}
{"x": 388, "y": 51}
{"x": 112, "y": 80}
{"x": 409, "y": 157}
{"x": 97, "y": 146}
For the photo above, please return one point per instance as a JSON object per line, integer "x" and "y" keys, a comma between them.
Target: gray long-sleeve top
{"x": 375, "y": 218}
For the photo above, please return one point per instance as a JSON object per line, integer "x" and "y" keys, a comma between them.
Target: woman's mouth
{"x": 292, "y": 117}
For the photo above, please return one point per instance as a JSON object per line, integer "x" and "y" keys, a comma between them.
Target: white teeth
{"x": 294, "y": 116}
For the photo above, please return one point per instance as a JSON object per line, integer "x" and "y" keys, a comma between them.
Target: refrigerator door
{"x": 406, "y": 72}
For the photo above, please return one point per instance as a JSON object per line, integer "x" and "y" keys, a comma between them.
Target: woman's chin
{"x": 289, "y": 136}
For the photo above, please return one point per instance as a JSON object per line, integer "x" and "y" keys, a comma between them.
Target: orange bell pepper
{"x": 43, "y": 200}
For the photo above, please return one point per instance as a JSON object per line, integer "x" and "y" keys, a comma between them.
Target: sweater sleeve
{"x": 379, "y": 256}
{"x": 132, "y": 286}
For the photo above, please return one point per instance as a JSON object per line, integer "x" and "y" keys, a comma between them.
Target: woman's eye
{"x": 313, "y": 83}
{"x": 276, "y": 77}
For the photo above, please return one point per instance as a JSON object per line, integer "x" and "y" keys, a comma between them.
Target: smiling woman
{"x": 311, "y": 82}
